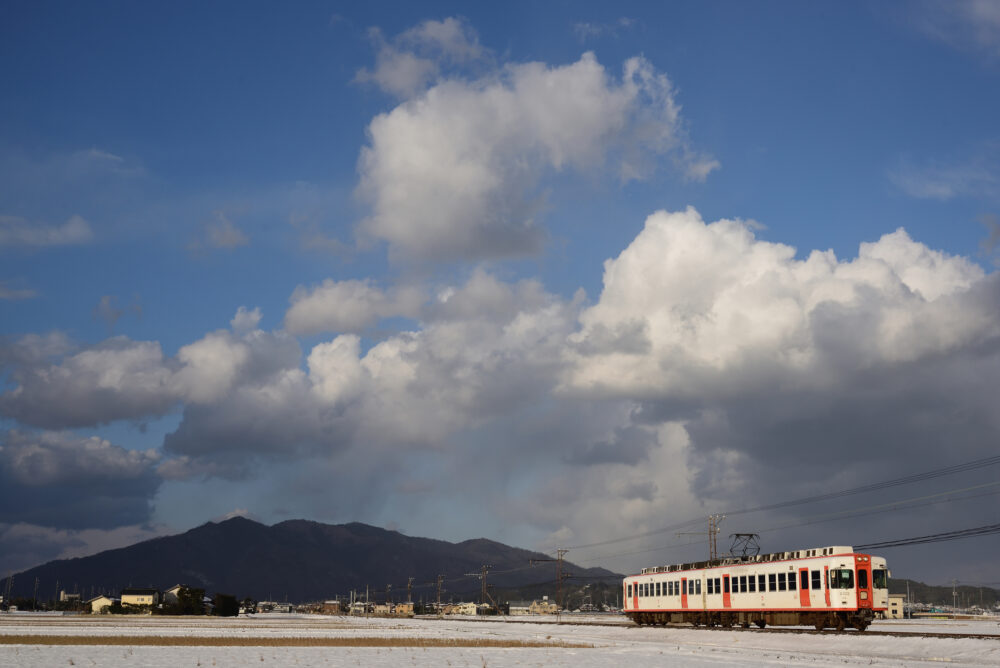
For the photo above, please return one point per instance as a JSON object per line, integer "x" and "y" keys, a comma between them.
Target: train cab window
{"x": 629, "y": 594}
{"x": 880, "y": 578}
{"x": 862, "y": 579}
{"x": 841, "y": 578}
{"x": 772, "y": 582}
{"x": 803, "y": 579}
{"x": 752, "y": 582}
{"x": 781, "y": 582}
{"x": 816, "y": 581}
{"x": 791, "y": 582}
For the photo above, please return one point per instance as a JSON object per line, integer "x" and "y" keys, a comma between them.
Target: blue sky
{"x": 364, "y": 263}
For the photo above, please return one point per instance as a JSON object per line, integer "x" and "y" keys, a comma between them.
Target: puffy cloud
{"x": 413, "y": 59}
{"x": 113, "y": 380}
{"x": 58, "y": 479}
{"x": 348, "y": 306}
{"x": 245, "y": 320}
{"x": 16, "y": 231}
{"x": 691, "y": 308}
{"x": 455, "y": 171}
{"x": 57, "y": 385}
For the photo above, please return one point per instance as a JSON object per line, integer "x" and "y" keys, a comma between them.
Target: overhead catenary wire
{"x": 984, "y": 530}
{"x": 885, "y": 484}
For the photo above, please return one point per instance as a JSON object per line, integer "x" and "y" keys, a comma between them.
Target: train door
{"x": 826, "y": 584}
{"x": 684, "y": 593}
{"x": 804, "y": 587}
{"x": 727, "y": 601}
{"x": 864, "y": 576}
{"x": 635, "y": 595}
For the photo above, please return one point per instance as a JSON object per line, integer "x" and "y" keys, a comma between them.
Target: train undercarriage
{"x": 856, "y": 619}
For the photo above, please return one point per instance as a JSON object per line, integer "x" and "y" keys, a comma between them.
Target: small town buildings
{"x": 895, "y": 609}
{"x": 140, "y": 597}
{"x": 460, "y": 609}
{"x": 100, "y": 604}
{"x": 404, "y": 610}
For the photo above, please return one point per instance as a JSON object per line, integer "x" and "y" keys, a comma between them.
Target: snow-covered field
{"x": 608, "y": 645}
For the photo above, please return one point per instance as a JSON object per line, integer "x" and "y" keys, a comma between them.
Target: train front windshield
{"x": 841, "y": 578}
{"x": 880, "y": 578}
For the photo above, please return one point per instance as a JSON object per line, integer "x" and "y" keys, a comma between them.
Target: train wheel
{"x": 841, "y": 623}
{"x": 861, "y": 626}
{"x": 820, "y": 625}
{"x": 760, "y": 623}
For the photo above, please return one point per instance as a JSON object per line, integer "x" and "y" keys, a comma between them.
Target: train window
{"x": 711, "y": 586}
{"x": 691, "y": 586}
{"x": 791, "y": 582}
{"x": 772, "y": 582}
{"x": 743, "y": 583}
{"x": 803, "y": 579}
{"x": 761, "y": 583}
{"x": 880, "y": 578}
{"x": 816, "y": 580}
{"x": 841, "y": 578}
{"x": 630, "y": 591}
{"x": 725, "y": 585}
{"x": 752, "y": 581}
{"x": 781, "y": 582}
{"x": 862, "y": 579}
{"x": 657, "y": 588}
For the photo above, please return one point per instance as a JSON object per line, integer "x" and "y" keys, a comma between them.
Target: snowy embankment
{"x": 611, "y": 645}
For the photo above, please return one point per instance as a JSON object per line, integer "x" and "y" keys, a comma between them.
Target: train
{"x": 825, "y": 587}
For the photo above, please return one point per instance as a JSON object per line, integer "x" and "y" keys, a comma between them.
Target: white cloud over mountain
{"x": 455, "y": 171}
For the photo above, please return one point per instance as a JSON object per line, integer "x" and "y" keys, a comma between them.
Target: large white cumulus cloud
{"x": 454, "y": 171}
{"x": 691, "y": 309}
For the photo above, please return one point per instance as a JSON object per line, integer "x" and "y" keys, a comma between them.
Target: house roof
{"x": 130, "y": 591}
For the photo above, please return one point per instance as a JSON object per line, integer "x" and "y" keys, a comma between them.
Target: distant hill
{"x": 298, "y": 561}
{"x": 966, "y": 595}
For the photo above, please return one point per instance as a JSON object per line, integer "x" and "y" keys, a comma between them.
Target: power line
{"x": 985, "y": 530}
{"x": 895, "y": 482}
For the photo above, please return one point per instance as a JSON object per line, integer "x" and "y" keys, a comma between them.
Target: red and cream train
{"x": 825, "y": 587}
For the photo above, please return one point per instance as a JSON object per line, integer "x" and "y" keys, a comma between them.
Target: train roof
{"x": 750, "y": 559}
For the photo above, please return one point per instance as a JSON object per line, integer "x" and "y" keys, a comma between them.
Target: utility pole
{"x": 483, "y": 572}
{"x": 713, "y": 531}
{"x": 560, "y": 575}
{"x": 409, "y": 590}
{"x": 440, "y": 581}
{"x": 34, "y": 599}
{"x": 954, "y": 594}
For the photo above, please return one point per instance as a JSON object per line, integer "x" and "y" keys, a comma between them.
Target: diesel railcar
{"x": 824, "y": 587}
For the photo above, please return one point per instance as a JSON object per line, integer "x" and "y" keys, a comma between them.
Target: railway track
{"x": 827, "y": 632}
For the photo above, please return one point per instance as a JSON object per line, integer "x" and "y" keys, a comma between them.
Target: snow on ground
{"x": 612, "y": 645}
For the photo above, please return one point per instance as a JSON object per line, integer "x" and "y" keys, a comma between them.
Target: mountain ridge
{"x": 298, "y": 560}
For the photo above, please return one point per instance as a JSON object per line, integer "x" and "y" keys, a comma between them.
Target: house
{"x": 895, "y": 609}
{"x": 520, "y": 608}
{"x": 460, "y": 609}
{"x": 404, "y": 610}
{"x": 170, "y": 595}
{"x": 140, "y": 597}
{"x": 543, "y": 607}
{"x": 100, "y": 604}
